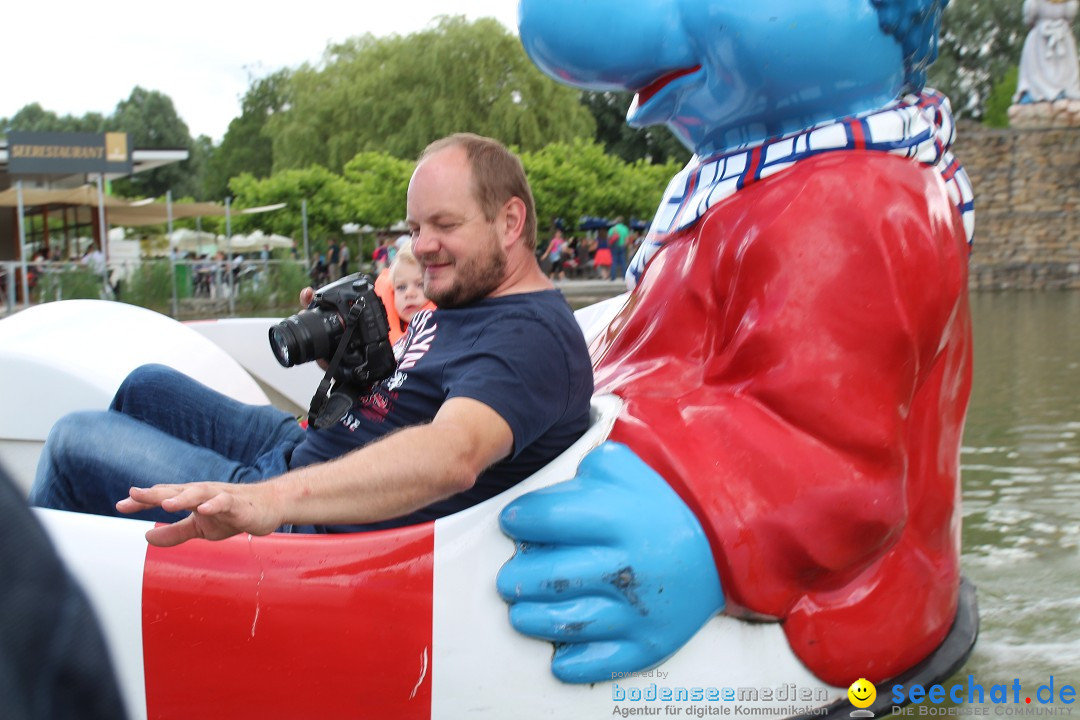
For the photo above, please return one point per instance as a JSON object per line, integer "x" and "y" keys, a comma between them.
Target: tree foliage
{"x": 578, "y": 178}
{"x": 328, "y": 196}
{"x": 396, "y": 94}
{"x": 568, "y": 179}
{"x": 246, "y": 147}
{"x": 378, "y": 183}
{"x": 34, "y": 118}
{"x": 996, "y": 112}
{"x": 656, "y": 144}
{"x": 980, "y": 42}
{"x": 150, "y": 119}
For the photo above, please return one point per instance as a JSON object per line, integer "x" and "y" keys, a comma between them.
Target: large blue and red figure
{"x": 795, "y": 360}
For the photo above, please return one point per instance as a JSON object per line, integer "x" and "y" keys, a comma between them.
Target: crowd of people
{"x": 334, "y": 263}
{"x": 599, "y": 254}
{"x": 46, "y": 261}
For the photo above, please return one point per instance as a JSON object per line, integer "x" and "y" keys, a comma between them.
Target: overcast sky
{"x": 79, "y": 57}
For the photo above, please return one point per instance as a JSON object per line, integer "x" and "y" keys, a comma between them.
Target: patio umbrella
{"x": 258, "y": 239}
{"x": 194, "y": 240}
{"x": 588, "y": 222}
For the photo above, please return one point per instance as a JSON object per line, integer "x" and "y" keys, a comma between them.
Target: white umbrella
{"x": 273, "y": 240}
{"x": 258, "y": 239}
{"x": 237, "y": 241}
{"x": 188, "y": 239}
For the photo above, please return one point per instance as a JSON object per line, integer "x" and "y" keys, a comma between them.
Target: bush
{"x": 150, "y": 286}
{"x": 69, "y": 282}
{"x": 276, "y": 291}
{"x": 287, "y": 280}
{"x": 997, "y": 105}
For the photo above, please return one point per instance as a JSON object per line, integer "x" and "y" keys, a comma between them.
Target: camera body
{"x": 345, "y": 325}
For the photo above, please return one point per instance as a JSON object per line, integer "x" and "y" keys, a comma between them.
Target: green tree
{"x": 980, "y": 41}
{"x": 329, "y": 202}
{"x": 378, "y": 183}
{"x": 246, "y": 147}
{"x": 578, "y": 178}
{"x": 34, "y": 118}
{"x": 997, "y": 105}
{"x": 150, "y": 119}
{"x": 656, "y": 144}
{"x": 396, "y": 94}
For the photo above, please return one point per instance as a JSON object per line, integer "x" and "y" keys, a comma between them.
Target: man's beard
{"x": 474, "y": 278}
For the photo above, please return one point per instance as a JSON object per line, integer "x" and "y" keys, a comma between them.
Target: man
{"x": 381, "y": 255}
{"x": 333, "y": 260}
{"x": 343, "y": 259}
{"x": 490, "y": 387}
{"x": 617, "y": 237}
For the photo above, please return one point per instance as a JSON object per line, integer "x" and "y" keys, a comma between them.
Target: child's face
{"x": 408, "y": 290}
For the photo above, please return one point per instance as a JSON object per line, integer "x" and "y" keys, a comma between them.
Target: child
{"x": 401, "y": 288}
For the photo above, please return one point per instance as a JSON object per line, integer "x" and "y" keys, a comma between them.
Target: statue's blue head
{"x": 726, "y": 73}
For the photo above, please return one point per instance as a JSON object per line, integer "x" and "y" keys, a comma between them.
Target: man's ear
{"x": 513, "y": 220}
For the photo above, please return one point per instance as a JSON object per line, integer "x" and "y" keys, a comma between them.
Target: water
{"x": 1021, "y": 477}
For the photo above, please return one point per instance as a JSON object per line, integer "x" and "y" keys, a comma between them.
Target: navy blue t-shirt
{"x": 521, "y": 355}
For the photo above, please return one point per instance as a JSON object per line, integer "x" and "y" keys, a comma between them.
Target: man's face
{"x": 460, "y": 251}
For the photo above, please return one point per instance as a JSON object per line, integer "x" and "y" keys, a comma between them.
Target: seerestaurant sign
{"x": 53, "y": 152}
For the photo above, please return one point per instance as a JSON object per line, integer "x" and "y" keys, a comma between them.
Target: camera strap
{"x": 328, "y": 407}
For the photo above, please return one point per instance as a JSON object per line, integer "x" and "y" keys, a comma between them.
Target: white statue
{"x": 1048, "y": 65}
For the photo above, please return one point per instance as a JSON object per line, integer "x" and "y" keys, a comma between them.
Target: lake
{"x": 1021, "y": 478}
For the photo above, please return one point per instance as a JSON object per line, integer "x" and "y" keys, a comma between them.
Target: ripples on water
{"x": 1021, "y": 476}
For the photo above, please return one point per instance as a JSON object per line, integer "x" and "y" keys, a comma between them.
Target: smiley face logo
{"x": 862, "y": 693}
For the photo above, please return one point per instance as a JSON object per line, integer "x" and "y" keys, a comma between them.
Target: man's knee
{"x": 144, "y": 380}
{"x": 55, "y": 459}
{"x": 68, "y": 431}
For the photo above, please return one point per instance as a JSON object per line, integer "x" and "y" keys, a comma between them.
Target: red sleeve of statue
{"x": 797, "y": 366}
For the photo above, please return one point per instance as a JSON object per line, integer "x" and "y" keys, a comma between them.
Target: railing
{"x": 188, "y": 288}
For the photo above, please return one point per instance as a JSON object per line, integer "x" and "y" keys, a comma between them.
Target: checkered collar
{"x": 919, "y": 127}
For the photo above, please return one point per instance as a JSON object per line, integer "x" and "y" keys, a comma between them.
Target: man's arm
{"x": 393, "y": 476}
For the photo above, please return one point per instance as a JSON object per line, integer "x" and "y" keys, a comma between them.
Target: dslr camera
{"x": 345, "y": 325}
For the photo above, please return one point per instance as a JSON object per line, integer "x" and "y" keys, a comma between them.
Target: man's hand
{"x": 612, "y": 567}
{"x": 218, "y": 510}
{"x": 306, "y": 296}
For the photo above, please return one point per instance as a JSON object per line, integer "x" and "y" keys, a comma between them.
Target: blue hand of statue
{"x": 612, "y": 567}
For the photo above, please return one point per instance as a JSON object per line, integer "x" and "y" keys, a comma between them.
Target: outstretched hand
{"x": 612, "y": 567}
{"x": 218, "y": 510}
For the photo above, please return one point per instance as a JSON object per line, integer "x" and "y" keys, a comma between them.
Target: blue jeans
{"x": 618, "y": 261}
{"x": 162, "y": 427}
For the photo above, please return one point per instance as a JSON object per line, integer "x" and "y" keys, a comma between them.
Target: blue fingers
{"x": 586, "y": 619}
{"x": 598, "y": 661}
{"x": 575, "y": 512}
{"x": 546, "y": 573}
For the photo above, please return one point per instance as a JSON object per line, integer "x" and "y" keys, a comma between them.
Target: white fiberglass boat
{"x": 401, "y": 623}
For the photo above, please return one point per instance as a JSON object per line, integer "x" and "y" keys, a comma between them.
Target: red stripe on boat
{"x": 290, "y": 626}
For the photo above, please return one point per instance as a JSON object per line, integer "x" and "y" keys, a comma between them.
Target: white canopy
{"x": 256, "y": 241}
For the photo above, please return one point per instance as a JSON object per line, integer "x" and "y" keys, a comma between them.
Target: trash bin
{"x": 183, "y": 281}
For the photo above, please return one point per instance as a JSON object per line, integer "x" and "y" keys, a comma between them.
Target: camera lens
{"x": 306, "y": 336}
